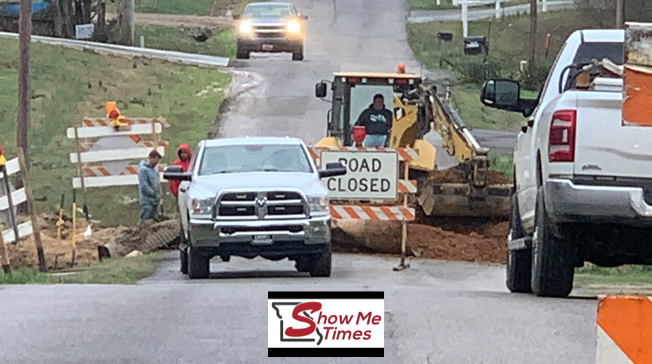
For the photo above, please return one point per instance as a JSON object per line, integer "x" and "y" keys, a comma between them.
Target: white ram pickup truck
{"x": 582, "y": 179}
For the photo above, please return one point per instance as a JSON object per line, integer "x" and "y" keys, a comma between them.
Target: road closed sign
{"x": 369, "y": 175}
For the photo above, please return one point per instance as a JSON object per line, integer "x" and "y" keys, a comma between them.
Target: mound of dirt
{"x": 422, "y": 241}
{"x": 456, "y": 175}
{"x": 58, "y": 252}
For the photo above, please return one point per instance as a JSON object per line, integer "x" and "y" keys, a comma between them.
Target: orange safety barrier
{"x": 624, "y": 330}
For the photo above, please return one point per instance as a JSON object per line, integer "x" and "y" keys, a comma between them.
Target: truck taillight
{"x": 561, "y": 139}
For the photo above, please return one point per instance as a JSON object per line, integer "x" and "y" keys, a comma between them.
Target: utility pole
{"x": 620, "y": 13}
{"x": 22, "y": 121}
{"x": 129, "y": 19}
{"x": 532, "y": 42}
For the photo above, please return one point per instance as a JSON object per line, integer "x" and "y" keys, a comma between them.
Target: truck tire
{"x": 198, "y": 265}
{"x": 297, "y": 55}
{"x": 519, "y": 262}
{"x": 241, "y": 54}
{"x": 183, "y": 258}
{"x": 552, "y": 262}
{"x": 321, "y": 267}
{"x": 183, "y": 254}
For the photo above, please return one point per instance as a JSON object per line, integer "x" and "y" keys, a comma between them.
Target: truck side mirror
{"x": 321, "y": 90}
{"x": 304, "y": 17}
{"x": 332, "y": 170}
{"x": 501, "y": 94}
{"x": 236, "y": 17}
{"x": 175, "y": 173}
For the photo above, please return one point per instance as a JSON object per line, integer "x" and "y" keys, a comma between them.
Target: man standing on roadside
{"x": 149, "y": 187}
{"x": 377, "y": 121}
{"x": 184, "y": 162}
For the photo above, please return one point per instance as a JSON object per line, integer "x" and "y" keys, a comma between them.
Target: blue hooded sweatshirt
{"x": 149, "y": 184}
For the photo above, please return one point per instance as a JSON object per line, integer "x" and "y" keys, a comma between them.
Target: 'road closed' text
{"x": 369, "y": 175}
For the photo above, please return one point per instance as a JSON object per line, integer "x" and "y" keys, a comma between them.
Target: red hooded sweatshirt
{"x": 174, "y": 185}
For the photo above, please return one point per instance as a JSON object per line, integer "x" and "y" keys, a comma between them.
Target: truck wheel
{"x": 297, "y": 55}
{"x": 321, "y": 267}
{"x": 183, "y": 258}
{"x": 241, "y": 54}
{"x": 183, "y": 254}
{"x": 198, "y": 265}
{"x": 519, "y": 262}
{"x": 552, "y": 261}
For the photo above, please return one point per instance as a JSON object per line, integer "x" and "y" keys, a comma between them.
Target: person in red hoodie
{"x": 184, "y": 161}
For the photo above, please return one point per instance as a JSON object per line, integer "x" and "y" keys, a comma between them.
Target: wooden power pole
{"x": 22, "y": 121}
{"x": 532, "y": 41}
{"x": 620, "y": 13}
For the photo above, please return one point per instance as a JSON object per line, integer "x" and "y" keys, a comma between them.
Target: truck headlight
{"x": 318, "y": 203}
{"x": 201, "y": 206}
{"x": 294, "y": 27}
{"x": 245, "y": 27}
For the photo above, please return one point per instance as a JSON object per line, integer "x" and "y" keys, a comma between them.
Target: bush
{"x": 477, "y": 73}
{"x": 534, "y": 77}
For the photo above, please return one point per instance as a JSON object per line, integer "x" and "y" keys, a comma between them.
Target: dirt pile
{"x": 422, "y": 241}
{"x": 58, "y": 252}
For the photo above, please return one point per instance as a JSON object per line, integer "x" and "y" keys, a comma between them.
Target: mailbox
{"x": 474, "y": 45}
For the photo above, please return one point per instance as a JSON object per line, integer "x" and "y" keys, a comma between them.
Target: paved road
{"x": 449, "y": 313}
{"x": 436, "y": 312}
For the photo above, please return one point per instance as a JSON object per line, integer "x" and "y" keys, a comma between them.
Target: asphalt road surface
{"x": 436, "y": 312}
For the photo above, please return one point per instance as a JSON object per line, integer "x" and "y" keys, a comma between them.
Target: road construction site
{"x": 436, "y": 312}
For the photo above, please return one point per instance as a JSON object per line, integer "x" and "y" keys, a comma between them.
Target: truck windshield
{"x": 254, "y": 158}
{"x": 268, "y": 11}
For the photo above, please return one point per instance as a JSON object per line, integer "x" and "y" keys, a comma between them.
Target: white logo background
{"x": 360, "y": 311}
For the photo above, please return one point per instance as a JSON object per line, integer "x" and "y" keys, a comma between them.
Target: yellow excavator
{"x": 418, "y": 108}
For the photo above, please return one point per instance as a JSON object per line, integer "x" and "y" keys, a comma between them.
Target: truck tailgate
{"x": 603, "y": 146}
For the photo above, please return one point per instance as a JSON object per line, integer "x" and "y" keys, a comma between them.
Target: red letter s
{"x": 306, "y": 306}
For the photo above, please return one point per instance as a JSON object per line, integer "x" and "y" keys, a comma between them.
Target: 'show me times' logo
{"x": 326, "y": 324}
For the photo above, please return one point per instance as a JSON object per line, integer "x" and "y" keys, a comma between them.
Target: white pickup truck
{"x": 582, "y": 180}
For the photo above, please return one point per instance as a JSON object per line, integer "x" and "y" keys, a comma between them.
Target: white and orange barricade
{"x": 107, "y": 156}
{"x": 624, "y": 330}
{"x": 372, "y": 186}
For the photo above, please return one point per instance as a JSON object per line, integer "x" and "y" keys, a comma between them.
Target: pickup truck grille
{"x": 261, "y": 205}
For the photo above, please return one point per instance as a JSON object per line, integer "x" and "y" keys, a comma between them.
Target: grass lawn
{"x": 68, "y": 85}
{"x": 194, "y": 7}
{"x": 592, "y": 274}
{"x": 221, "y": 43}
{"x": 507, "y": 46}
{"x": 119, "y": 271}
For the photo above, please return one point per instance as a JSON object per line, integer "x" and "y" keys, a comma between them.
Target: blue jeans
{"x": 374, "y": 140}
{"x": 148, "y": 212}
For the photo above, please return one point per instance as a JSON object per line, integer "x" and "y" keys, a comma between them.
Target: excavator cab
{"x": 417, "y": 109}
{"x": 352, "y": 93}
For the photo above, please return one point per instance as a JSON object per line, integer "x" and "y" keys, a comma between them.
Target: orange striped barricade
{"x": 624, "y": 325}
{"x": 373, "y": 182}
{"x": 105, "y": 157}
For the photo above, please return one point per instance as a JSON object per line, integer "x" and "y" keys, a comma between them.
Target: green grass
{"x": 221, "y": 43}
{"x": 502, "y": 163}
{"x": 592, "y": 274}
{"x": 194, "y": 7}
{"x": 119, "y": 271}
{"x": 507, "y": 38}
{"x": 65, "y": 85}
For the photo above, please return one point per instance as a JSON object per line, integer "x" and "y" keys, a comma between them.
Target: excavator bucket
{"x": 456, "y": 200}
